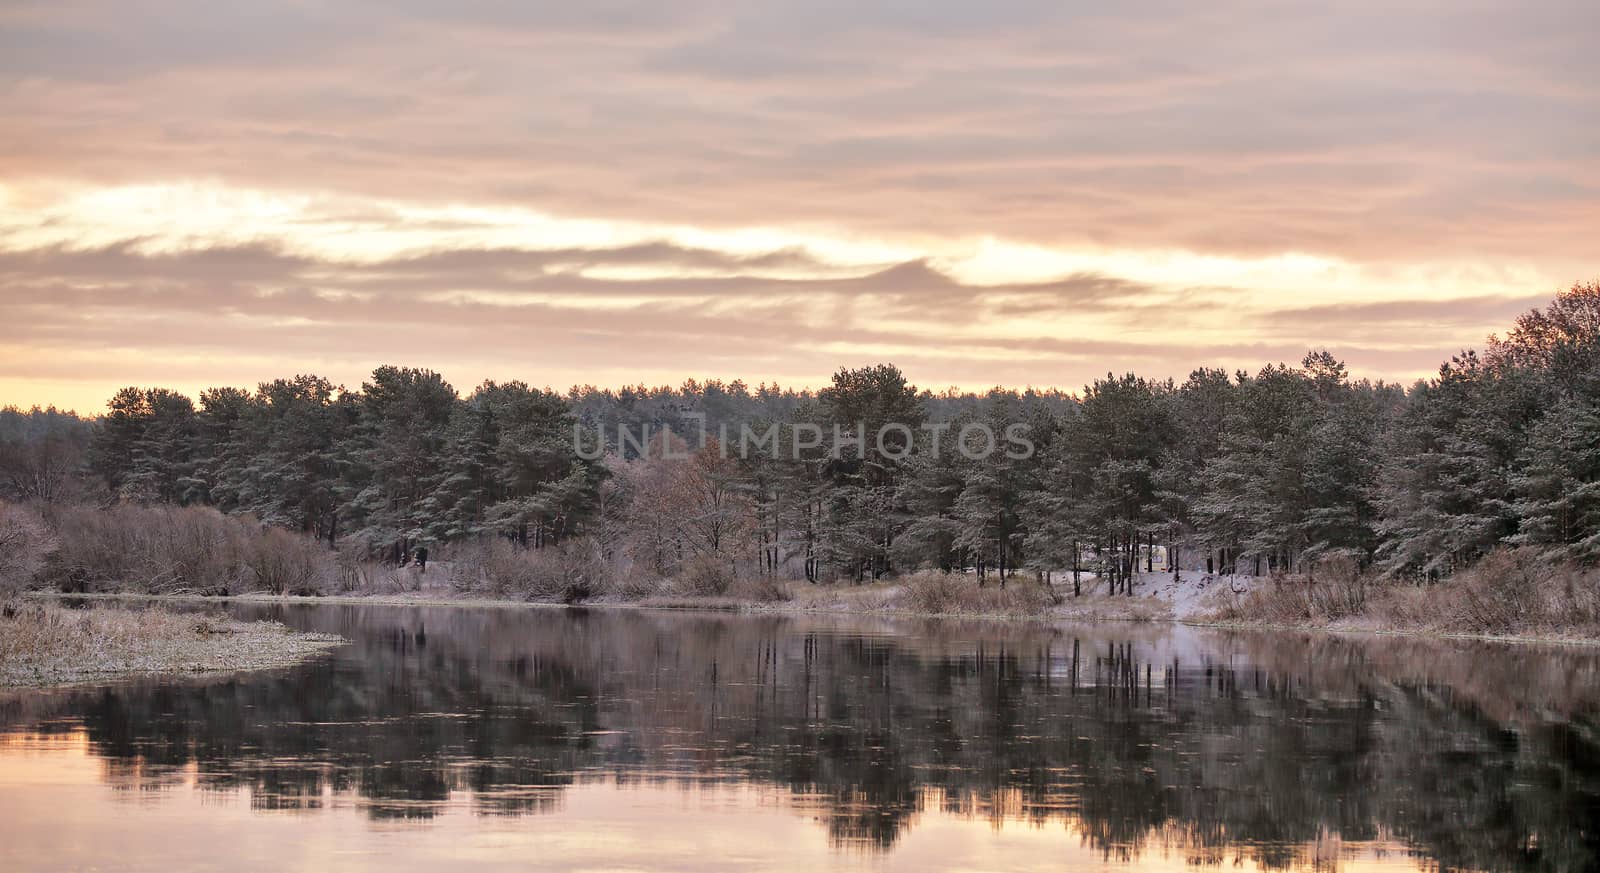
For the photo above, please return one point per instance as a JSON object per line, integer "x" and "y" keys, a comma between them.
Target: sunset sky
{"x": 1023, "y": 193}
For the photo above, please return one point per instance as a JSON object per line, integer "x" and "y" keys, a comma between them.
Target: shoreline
{"x": 50, "y": 646}
{"x": 756, "y": 608}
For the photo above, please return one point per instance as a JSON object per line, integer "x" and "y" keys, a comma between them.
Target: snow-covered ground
{"x": 1194, "y": 593}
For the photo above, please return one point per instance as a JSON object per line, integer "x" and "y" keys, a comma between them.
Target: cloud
{"x": 123, "y": 275}
{"x": 114, "y": 313}
{"x": 271, "y": 262}
{"x": 1407, "y": 314}
{"x": 1360, "y": 130}
{"x": 605, "y": 191}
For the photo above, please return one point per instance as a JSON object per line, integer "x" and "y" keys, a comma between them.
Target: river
{"x": 446, "y": 737}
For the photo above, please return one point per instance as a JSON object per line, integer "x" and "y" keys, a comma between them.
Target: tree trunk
{"x": 1133, "y": 563}
{"x": 1112, "y": 564}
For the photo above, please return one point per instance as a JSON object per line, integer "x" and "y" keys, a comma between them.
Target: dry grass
{"x": 926, "y": 593}
{"x": 682, "y": 601}
{"x": 722, "y": 592}
{"x": 49, "y": 644}
{"x": 867, "y": 597}
{"x": 1511, "y": 592}
{"x": 934, "y": 593}
{"x": 764, "y": 589}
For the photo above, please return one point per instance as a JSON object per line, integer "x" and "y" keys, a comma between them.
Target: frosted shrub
{"x": 179, "y": 550}
{"x": 25, "y": 542}
{"x": 1335, "y": 588}
{"x": 354, "y": 569}
{"x": 706, "y": 577}
{"x": 165, "y": 550}
{"x": 569, "y": 572}
{"x": 282, "y": 563}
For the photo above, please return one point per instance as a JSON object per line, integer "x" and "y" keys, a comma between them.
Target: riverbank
{"x": 1174, "y": 603}
{"x": 1511, "y": 594}
{"x": 47, "y": 644}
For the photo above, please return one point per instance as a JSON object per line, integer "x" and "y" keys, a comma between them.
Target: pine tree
{"x": 863, "y": 515}
{"x": 218, "y": 443}
{"x": 145, "y": 446}
{"x": 1118, "y": 441}
{"x": 280, "y": 460}
{"x": 391, "y": 459}
{"x": 1199, "y": 412}
{"x": 1056, "y": 512}
{"x": 932, "y": 485}
{"x": 989, "y": 510}
{"x": 1558, "y": 484}
{"x": 1278, "y": 468}
{"x": 1341, "y": 463}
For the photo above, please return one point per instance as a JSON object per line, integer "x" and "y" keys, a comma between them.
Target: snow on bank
{"x": 1194, "y": 594}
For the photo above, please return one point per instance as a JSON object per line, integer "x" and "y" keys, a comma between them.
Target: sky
{"x": 215, "y": 193}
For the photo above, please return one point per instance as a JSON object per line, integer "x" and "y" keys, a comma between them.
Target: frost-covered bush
{"x": 280, "y": 562}
{"x": 179, "y": 550}
{"x": 705, "y": 577}
{"x": 25, "y": 543}
{"x": 568, "y": 572}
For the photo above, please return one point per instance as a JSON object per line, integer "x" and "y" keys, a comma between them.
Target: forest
{"x": 1270, "y": 472}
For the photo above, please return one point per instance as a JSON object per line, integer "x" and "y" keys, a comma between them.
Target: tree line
{"x": 1239, "y": 472}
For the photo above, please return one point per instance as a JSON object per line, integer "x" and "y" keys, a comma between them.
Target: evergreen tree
{"x": 989, "y": 509}
{"x": 931, "y": 487}
{"x": 145, "y": 446}
{"x": 1118, "y": 441}
{"x": 1268, "y": 471}
{"x": 1558, "y": 484}
{"x": 1446, "y": 495}
{"x": 280, "y": 460}
{"x": 391, "y": 458}
{"x": 863, "y": 513}
{"x": 1199, "y": 411}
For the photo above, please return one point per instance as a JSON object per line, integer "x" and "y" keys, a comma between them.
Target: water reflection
{"x": 1149, "y": 745}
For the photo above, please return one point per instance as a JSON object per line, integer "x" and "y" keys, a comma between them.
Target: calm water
{"x": 613, "y": 740}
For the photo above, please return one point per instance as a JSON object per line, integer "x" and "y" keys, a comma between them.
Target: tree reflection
{"x": 1209, "y": 746}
